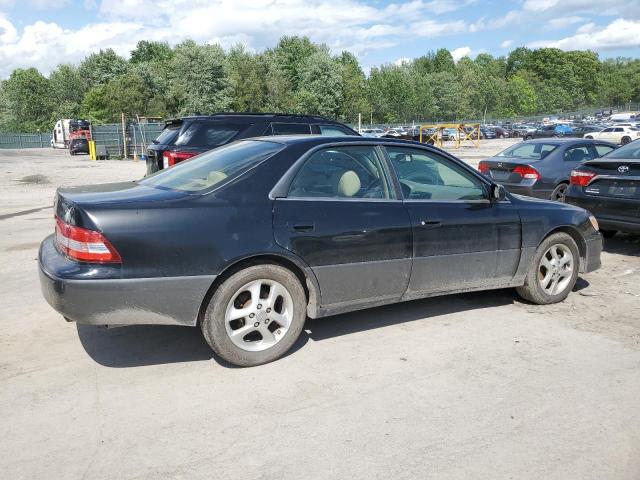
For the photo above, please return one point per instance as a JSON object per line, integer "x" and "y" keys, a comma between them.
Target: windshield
{"x": 213, "y": 168}
{"x": 533, "y": 151}
{"x": 629, "y": 151}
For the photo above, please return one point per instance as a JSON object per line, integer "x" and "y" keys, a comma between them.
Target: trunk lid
{"x": 617, "y": 178}
{"x": 502, "y": 171}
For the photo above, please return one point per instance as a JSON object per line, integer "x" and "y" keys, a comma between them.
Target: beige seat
{"x": 349, "y": 184}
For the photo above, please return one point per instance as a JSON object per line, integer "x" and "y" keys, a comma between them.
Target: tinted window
{"x": 603, "y": 149}
{"x": 619, "y": 130}
{"x": 167, "y": 135}
{"x": 428, "y": 176}
{"x": 608, "y": 130}
{"x": 290, "y": 129}
{"x": 213, "y": 168}
{"x": 534, "y": 151}
{"x": 342, "y": 172}
{"x": 208, "y": 135}
{"x": 630, "y": 150}
{"x": 577, "y": 154}
{"x": 333, "y": 130}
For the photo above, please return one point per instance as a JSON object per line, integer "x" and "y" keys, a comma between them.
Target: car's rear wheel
{"x": 608, "y": 233}
{"x": 590, "y": 137}
{"x": 560, "y": 192}
{"x": 625, "y": 140}
{"x": 255, "y": 315}
{"x": 553, "y": 271}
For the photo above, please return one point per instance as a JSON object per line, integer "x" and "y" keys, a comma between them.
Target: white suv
{"x": 616, "y": 134}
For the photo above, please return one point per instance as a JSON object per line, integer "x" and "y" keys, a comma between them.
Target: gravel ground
{"x": 469, "y": 386}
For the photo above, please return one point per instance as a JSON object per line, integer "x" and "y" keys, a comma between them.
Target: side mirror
{"x": 498, "y": 193}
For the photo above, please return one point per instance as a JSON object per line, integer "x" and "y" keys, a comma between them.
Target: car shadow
{"x": 623, "y": 244}
{"x": 143, "y": 345}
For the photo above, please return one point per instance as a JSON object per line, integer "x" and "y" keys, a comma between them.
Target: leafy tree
{"x": 443, "y": 61}
{"x": 147, "y": 52}
{"x": 320, "y": 89}
{"x": 353, "y": 84}
{"x": 27, "y": 99}
{"x": 102, "y": 67}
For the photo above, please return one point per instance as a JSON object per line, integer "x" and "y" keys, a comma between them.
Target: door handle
{"x": 430, "y": 223}
{"x": 303, "y": 227}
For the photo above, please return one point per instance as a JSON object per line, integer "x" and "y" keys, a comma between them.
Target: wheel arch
{"x": 574, "y": 233}
{"x": 304, "y": 274}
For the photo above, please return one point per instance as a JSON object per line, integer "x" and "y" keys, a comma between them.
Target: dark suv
{"x": 189, "y": 136}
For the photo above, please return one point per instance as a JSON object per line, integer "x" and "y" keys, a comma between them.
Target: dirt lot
{"x": 469, "y": 386}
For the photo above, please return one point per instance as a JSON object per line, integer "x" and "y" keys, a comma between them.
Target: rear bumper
{"x": 118, "y": 301}
{"x": 612, "y": 213}
{"x": 528, "y": 190}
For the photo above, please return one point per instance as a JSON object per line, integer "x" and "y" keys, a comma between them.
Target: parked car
{"x": 619, "y": 135}
{"x": 78, "y": 145}
{"x": 247, "y": 240}
{"x": 581, "y": 130}
{"x": 187, "y": 137}
{"x": 487, "y": 133}
{"x": 548, "y": 131}
{"x": 372, "y": 132}
{"x": 541, "y": 168}
{"x": 610, "y": 188}
{"x": 501, "y": 132}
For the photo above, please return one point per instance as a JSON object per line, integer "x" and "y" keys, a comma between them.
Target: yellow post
{"x": 92, "y": 150}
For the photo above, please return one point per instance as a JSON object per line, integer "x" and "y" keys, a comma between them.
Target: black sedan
{"x": 610, "y": 188}
{"x": 541, "y": 168}
{"x": 249, "y": 239}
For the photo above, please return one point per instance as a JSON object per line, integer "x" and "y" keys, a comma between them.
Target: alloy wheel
{"x": 555, "y": 269}
{"x": 259, "y": 315}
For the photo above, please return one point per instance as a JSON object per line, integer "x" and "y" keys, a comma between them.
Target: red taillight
{"x": 581, "y": 178}
{"x": 483, "y": 167}
{"x": 527, "y": 172}
{"x": 84, "y": 245}
{"x": 169, "y": 159}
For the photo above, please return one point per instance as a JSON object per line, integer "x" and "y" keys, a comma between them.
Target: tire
{"x": 590, "y": 137}
{"x": 528, "y": 137}
{"x": 608, "y": 233}
{"x": 625, "y": 140}
{"x": 533, "y": 289}
{"x": 559, "y": 193}
{"x": 248, "y": 348}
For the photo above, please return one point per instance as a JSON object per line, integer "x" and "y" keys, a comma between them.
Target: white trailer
{"x": 60, "y": 135}
{"x": 624, "y": 117}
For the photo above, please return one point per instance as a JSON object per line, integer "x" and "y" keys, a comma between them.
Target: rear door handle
{"x": 303, "y": 227}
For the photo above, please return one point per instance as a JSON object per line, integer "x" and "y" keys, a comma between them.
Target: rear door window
{"x": 603, "y": 149}
{"x": 209, "y": 135}
{"x": 578, "y": 154}
{"x": 168, "y": 134}
{"x": 290, "y": 129}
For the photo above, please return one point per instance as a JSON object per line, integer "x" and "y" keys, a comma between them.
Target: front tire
{"x": 256, "y": 315}
{"x": 553, "y": 271}
{"x": 625, "y": 140}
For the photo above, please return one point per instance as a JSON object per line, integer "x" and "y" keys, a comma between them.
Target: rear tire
{"x": 590, "y": 137}
{"x": 559, "y": 193}
{"x": 608, "y": 233}
{"x": 625, "y": 140}
{"x": 553, "y": 270}
{"x": 275, "y": 307}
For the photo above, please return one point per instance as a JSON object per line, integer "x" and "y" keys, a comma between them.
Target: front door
{"x": 462, "y": 240}
{"x": 342, "y": 217}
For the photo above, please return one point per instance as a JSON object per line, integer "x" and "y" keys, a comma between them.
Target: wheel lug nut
{"x": 259, "y": 306}
{"x": 268, "y": 310}
{"x": 256, "y": 324}
{"x": 266, "y": 321}
{"x": 251, "y": 315}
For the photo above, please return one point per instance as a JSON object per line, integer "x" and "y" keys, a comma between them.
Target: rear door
{"x": 343, "y": 218}
{"x": 462, "y": 240}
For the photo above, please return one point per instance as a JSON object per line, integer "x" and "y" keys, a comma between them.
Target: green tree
{"x": 354, "y": 83}
{"x": 27, "y": 101}
{"x": 147, "y": 52}
{"x": 320, "y": 89}
{"x": 102, "y": 67}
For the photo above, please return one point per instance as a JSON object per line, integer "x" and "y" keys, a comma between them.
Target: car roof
{"x": 328, "y": 139}
{"x": 564, "y": 141}
{"x": 250, "y": 116}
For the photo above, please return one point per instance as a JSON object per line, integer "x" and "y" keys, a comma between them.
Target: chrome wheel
{"x": 555, "y": 269}
{"x": 259, "y": 315}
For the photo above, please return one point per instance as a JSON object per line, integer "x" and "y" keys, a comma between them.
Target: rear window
{"x": 534, "y": 151}
{"x": 209, "y": 135}
{"x": 629, "y": 151}
{"x": 333, "y": 130}
{"x": 166, "y": 136}
{"x": 213, "y": 168}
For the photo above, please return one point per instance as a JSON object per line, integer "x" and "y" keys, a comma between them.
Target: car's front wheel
{"x": 625, "y": 140}
{"x": 255, "y": 315}
{"x": 553, "y": 271}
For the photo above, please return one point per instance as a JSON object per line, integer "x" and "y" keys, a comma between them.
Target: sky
{"x": 45, "y": 33}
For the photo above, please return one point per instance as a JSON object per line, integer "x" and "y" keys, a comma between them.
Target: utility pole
{"x": 359, "y": 123}
{"x": 124, "y": 139}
